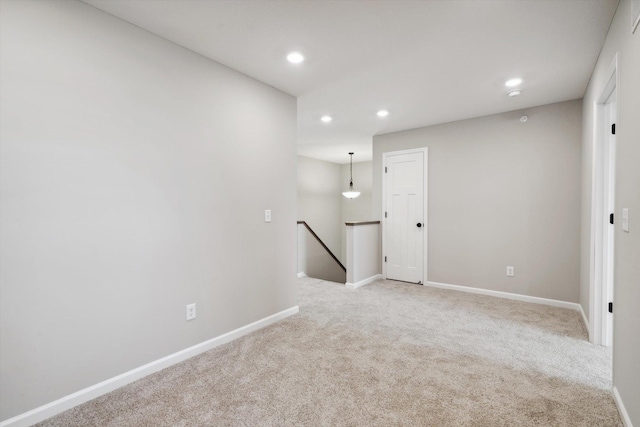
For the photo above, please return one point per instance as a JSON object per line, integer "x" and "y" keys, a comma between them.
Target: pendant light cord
{"x": 351, "y": 193}
{"x": 351, "y": 170}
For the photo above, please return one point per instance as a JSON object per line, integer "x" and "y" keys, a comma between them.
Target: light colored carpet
{"x": 386, "y": 354}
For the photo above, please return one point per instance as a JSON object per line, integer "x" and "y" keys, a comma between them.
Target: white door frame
{"x": 601, "y": 234}
{"x": 425, "y": 152}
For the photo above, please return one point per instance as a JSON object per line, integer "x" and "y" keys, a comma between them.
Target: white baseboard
{"x": 301, "y": 275}
{"x": 364, "y": 281}
{"x": 623, "y": 412}
{"x": 507, "y": 295}
{"x": 50, "y": 409}
{"x": 585, "y": 322}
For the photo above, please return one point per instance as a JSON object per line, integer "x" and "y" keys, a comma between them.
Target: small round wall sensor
{"x": 524, "y": 119}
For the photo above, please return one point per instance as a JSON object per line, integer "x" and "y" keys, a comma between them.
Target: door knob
{"x": 419, "y": 225}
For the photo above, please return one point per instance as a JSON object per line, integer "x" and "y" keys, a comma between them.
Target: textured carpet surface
{"x": 383, "y": 355}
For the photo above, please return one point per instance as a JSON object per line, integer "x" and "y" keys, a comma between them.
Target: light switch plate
{"x": 267, "y": 215}
{"x": 625, "y": 219}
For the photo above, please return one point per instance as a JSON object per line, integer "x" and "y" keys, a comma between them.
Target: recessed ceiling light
{"x": 295, "y": 57}
{"x": 514, "y": 92}
{"x": 513, "y": 82}
{"x": 326, "y": 119}
{"x": 382, "y": 113}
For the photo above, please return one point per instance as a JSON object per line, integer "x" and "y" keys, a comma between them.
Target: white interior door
{"x": 404, "y": 217}
{"x": 602, "y": 277}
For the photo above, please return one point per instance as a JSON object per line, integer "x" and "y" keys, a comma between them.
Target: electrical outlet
{"x": 191, "y": 311}
{"x": 511, "y": 271}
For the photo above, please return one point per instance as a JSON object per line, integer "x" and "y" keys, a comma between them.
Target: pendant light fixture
{"x": 351, "y": 194}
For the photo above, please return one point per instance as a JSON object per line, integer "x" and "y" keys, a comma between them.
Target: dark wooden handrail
{"x": 323, "y": 245}
{"x": 356, "y": 223}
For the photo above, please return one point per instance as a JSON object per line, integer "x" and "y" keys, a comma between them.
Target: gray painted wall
{"x": 626, "y": 318}
{"x": 314, "y": 260}
{"x": 320, "y": 201}
{"x": 321, "y": 204}
{"x": 501, "y": 192}
{"x": 134, "y": 176}
{"x": 363, "y": 252}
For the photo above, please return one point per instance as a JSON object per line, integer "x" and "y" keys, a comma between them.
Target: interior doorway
{"x": 404, "y": 216}
{"x": 609, "y": 165}
{"x": 603, "y": 214}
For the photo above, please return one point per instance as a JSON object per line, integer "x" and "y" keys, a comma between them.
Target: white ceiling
{"x": 427, "y": 62}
